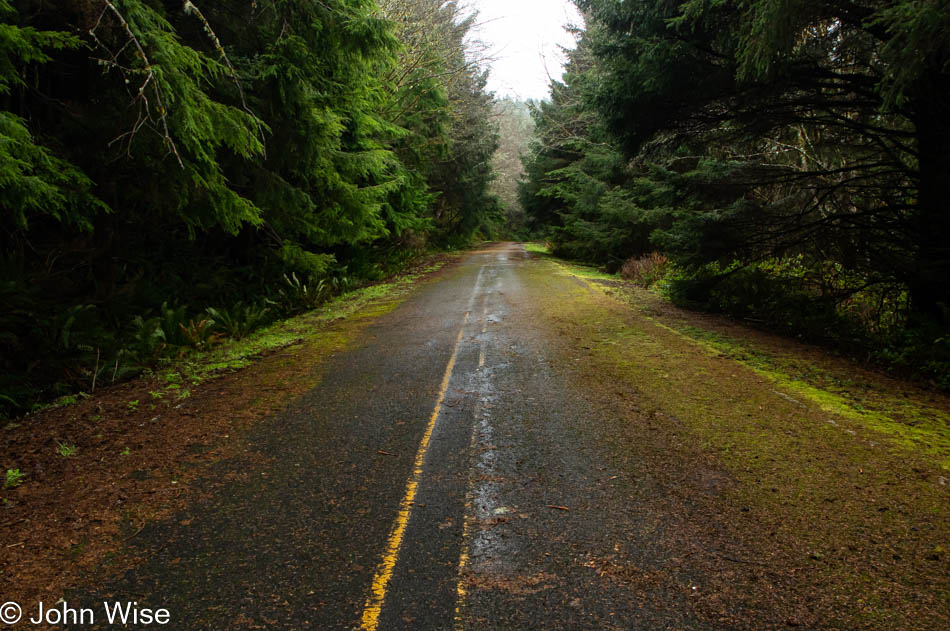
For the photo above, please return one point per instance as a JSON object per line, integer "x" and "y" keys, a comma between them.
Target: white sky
{"x": 523, "y": 37}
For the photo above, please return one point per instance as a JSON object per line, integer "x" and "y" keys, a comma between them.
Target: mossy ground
{"x": 840, "y": 484}
{"x": 915, "y": 423}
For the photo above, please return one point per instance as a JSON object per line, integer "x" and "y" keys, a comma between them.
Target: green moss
{"x": 912, "y": 424}
{"x": 537, "y": 248}
{"x": 583, "y": 271}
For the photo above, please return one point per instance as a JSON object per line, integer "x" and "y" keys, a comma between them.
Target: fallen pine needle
{"x": 136, "y": 533}
{"x": 558, "y": 507}
{"x": 742, "y": 561}
{"x": 384, "y": 453}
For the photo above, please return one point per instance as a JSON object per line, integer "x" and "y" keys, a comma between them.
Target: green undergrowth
{"x": 233, "y": 354}
{"x": 537, "y": 248}
{"x": 913, "y": 423}
{"x": 372, "y": 301}
{"x": 580, "y": 270}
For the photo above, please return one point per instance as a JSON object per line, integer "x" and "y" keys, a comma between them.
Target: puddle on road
{"x": 486, "y": 552}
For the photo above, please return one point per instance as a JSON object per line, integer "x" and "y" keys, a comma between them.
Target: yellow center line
{"x": 467, "y": 526}
{"x": 384, "y": 571}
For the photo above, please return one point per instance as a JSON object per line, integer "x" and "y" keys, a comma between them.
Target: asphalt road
{"x": 447, "y": 473}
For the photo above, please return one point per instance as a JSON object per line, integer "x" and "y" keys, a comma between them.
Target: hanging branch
{"x": 149, "y": 81}
{"x": 191, "y": 9}
{"x": 157, "y": 116}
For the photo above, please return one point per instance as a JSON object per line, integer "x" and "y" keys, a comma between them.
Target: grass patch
{"x": 914, "y": 424}
{"x": 537, "y": 248}
{"x": 581, "y": 270}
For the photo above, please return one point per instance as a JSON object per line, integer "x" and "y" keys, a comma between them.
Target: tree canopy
{"x": 160, "y": 158}
{"x": 761, "y": 144}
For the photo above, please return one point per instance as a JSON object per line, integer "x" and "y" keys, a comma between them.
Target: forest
{"x": 785, "y": 163}
{"x": 172, "y": 172}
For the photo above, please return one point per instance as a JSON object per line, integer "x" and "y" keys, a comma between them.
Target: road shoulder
{"x": 793, "y": 509}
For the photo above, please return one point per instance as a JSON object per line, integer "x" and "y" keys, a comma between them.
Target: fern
{"x": 240, "y": 320}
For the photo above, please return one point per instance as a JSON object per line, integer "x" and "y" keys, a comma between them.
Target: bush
{"x": 297, "y": 295}
{"x": 240, "y": 320}
{"x": 779, "y": 295}
{"x": 645, "y": 271}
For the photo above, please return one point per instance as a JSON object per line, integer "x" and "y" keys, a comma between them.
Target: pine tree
{"x": 820, "y": 128}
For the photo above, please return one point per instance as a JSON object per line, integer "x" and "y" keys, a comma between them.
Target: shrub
{"x": 297, "y": 295}
{"x": 822, "y": 303}
{"x": 14, "y": 478}
{"x": 644, "y": 271}
{"x": 199, "y": 334}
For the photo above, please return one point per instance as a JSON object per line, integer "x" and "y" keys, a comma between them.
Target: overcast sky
{"x": 523, "y": 36}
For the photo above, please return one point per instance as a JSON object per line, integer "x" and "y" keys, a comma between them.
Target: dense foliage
{"x": 173, "y": 171}
{"x": 790, "y": 158}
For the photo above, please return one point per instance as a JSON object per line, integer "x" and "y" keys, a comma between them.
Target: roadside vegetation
{"x": 895, "y": 408}
{"x": 780, "y": 163}
{"x": 172, "y": 175}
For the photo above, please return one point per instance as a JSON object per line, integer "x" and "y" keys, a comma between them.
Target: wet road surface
{"x": 445, "y": 474}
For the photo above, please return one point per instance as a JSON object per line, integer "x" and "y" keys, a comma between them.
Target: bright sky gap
{"x": 524, "y": 38}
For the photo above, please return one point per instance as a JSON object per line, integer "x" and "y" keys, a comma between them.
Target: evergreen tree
{"x": 515, "y": 132}
{"x": 35, "y": 180}
{"x": 578, "y": 183}
{"x": 791, "y": 159}
{"x": 819, "y": 132}
{"x": 160, "y": 158}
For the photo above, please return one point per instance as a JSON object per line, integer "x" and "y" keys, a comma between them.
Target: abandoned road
{"x": 469, "y": 463}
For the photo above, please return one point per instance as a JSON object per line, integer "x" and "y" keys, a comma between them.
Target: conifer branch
{"x": 190, "y": 9}
{"x": 149, "y": 81}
